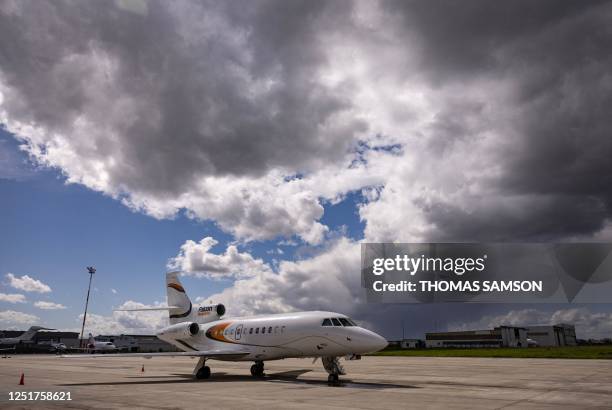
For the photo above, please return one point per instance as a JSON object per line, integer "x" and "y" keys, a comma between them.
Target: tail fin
{"x": 177, "y": 299}
{"x": 28, "y": 335}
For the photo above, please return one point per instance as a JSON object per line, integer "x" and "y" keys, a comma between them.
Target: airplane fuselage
{"x": 272, "y": 337}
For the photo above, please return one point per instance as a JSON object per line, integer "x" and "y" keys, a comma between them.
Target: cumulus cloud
{"x": 41, "y": 304}
{"x": 588, "y": 324}
{"x": 12, "y": 298}
{"x": 146, "y": 322}
{"x": 195, "y": 258}
{"x": 11, "y": 318}
{"x": 27, "y": 284}
{"x": 327, "y": 281}
{"x": 251, "y": 115}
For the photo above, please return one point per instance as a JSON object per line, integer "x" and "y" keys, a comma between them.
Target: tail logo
{"x": 176, "y": 287}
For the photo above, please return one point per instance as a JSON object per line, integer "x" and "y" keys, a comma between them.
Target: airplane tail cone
{"x": 21, "y": 380}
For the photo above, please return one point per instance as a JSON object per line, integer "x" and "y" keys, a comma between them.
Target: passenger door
{"x": 238, "y": 332}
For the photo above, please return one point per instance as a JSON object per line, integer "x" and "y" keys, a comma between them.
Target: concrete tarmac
{"x": 371, "y": 383}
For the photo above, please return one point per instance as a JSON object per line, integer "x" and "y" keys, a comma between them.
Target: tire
{"x": 332, "y": 378}
{"x": 203, "y": 373}
{"x": 257, "y": 370}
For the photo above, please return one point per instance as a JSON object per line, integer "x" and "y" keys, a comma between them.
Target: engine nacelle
{"x": 180, "y": 330}
{"x": 210, "y": 313}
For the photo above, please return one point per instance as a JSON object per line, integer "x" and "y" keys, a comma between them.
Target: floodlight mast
{"x": 91, "y": 270}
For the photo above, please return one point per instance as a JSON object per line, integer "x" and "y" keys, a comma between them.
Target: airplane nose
{"x": 378, "y": 342}
{"x": 373, "y": 342}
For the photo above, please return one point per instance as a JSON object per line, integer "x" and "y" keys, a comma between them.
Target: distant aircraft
{"x": 26, "y": 337}
{"x": 94, "y": 346}
{"x": 58, "y": 347}
{"x": 202, "y": 333}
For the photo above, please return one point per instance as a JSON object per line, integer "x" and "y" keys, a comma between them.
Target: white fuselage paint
{"x": 286, "y": 335}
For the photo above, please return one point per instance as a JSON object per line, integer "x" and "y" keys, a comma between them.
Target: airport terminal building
{"x": 502, "y": 336}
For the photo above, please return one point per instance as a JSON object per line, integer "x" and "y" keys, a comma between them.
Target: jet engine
{"x": 209, "y": 313}
{"x": 181, "y": 330}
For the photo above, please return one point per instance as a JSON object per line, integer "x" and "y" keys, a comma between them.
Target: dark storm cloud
{"x": 556, "y": 57}
{"x": 160, "y": 96}
{"x": 214, "y": 89}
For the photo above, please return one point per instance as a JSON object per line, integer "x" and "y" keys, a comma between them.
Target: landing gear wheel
{"x": 203, "y": 373}
{"x": 257, "y": 370}
{"x": 332, "y": 379}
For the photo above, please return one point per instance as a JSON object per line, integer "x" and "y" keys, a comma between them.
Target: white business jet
{"x": 200, "y": 332}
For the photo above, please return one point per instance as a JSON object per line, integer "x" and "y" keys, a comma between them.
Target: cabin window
{"x": 282, "y": 329}
{"x": 336, "y": 322}
{"x": 270, "y": 329}
{"x": 276, "y": 330}
{"x": 250, "y": 330}
{"x": 345, "y": 321}
{"x": 263, "y": 330}
{"x": 256, "y": 330}
{"x": 326, "y": 322}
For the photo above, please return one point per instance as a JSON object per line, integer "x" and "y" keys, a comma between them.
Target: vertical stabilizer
{"x": 177, "y": 297}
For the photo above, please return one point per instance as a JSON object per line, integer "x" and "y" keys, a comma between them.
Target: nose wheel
{"x": 257, "y": 370}
{"x": 332, "y": 379}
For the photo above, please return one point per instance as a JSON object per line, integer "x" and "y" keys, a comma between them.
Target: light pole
{"x": 91, "y": 271}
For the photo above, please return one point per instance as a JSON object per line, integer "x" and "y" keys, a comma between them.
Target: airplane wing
{"x": 5, "y": 349}
{"x": 211, "y": 354}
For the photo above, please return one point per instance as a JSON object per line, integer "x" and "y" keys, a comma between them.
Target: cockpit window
{"x": 345, "y": 321}
{"x": 336, "y": 322}
{"x": 326, "y": 322}
{"x": 352, "y": 322}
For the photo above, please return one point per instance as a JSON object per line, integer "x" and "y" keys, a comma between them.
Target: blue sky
{"x": 51, "y": 231}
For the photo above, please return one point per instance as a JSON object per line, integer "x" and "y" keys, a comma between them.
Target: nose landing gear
{"x": 334, "y": 368}
{"x": 257, "y": 370}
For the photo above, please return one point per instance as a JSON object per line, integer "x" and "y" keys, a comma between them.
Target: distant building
{"x": 70, "y": 339}
{"x": 502, "y": 336}
{"x": 553, "y": 335}
{"x": 138, "y": 343}
{"x": 42, "y": 340}
{"x": 412, "y": 343}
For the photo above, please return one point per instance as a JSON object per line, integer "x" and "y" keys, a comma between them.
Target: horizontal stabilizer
{"x": 146, "y": 309}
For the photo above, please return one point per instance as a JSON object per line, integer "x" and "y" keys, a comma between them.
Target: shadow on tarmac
{"x": 222, "y": 377}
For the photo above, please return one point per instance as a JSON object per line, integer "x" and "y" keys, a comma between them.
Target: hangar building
{"x": 502, "y": 336}
{"x": 138, "y": 343}
{"x": 553, "y": 335}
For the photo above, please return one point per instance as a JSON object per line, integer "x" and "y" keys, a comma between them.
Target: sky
{"x": 254, "y": 146}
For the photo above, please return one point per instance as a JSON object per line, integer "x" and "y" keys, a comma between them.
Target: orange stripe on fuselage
{"x": 216, "y": 332}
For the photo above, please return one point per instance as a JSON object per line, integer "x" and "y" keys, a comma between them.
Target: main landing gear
{"x": 257, "y": 370}
{"x": 201, "y": 371}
